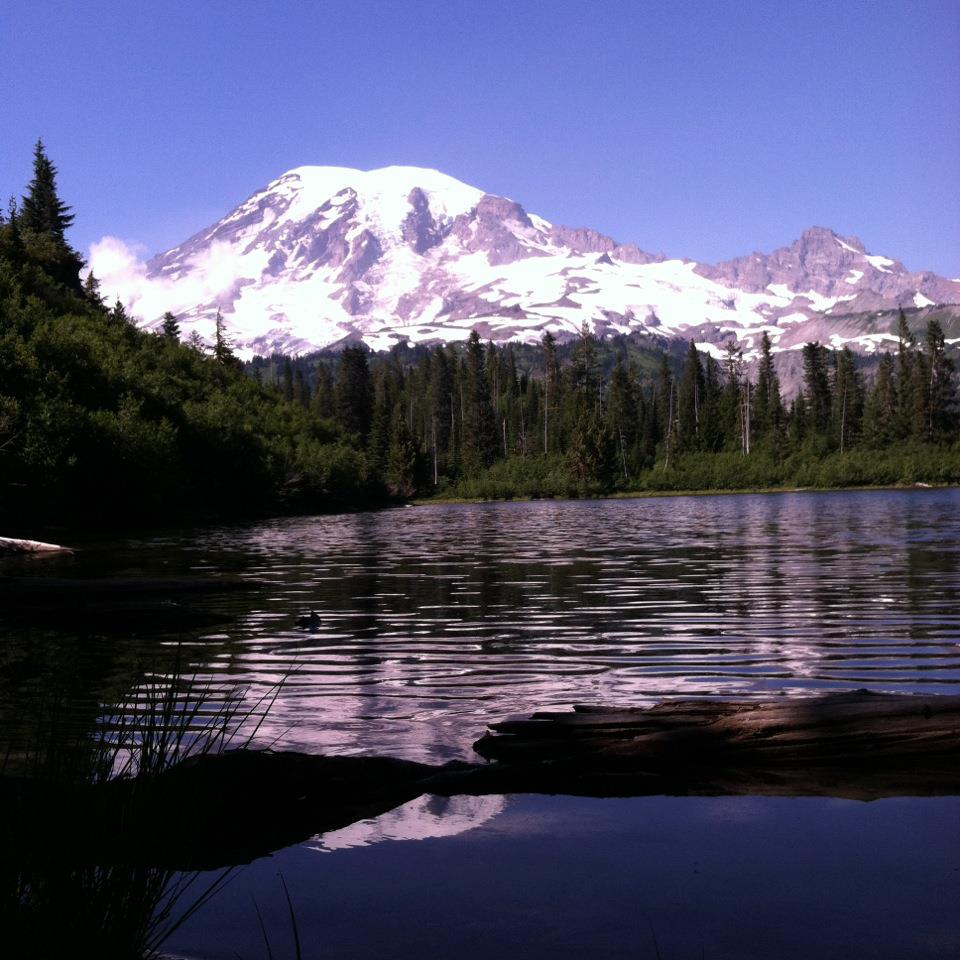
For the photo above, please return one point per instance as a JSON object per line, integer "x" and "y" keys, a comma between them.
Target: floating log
{"x": 11, "y": 545}
{"x": 860, "y": 728}
{"x": 231, "y": 807}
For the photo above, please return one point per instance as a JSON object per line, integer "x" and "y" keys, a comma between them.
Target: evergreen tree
{"x": 551, "y": 392}
{"x": 583, "y": 367}
{"x": 711, "y": 426}
{"x": 690, "y": 400}
{"x": 354, "y": 391}
{"x": 621, "y": 417}
{"x": 301, "y": 389}
{"x": 401, "y": 465}
{"x": 767, "y": 406}
{"x": 942, "y": 418}
{"x": 906, "y": 342}
{"x": 441, "y": 421}
{"x": 169, "y": 325}
{"x": 665, "y": 408}
{"x": 43, "y": 212}
{"x": 880, "y": 407}
{"x": 118, "y": 314}
{"x": 590, "y": 457}
{"x": 43, "y": 220}
{"x": 222, "y": 348}
{"x": 847, "y": 401}
{"x": 91, "y": 290}
{"x": 479, "y": 441}
{"x": 816, "y": 387}
{"x": 322, "y": 401}
{"x": 731, "y": 400}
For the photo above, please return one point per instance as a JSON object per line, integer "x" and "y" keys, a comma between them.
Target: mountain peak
{"x": 325, "y": 254}
{"x": 824, "y": 235}
{"x": 309, "y": 187}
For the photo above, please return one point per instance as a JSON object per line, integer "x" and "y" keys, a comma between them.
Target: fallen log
{"x": 841, "y": 729}
{"x": 231, "y": 807}
{"x": 14, "y": 546}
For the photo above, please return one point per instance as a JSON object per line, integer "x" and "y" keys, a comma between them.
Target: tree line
{"x": 99, "y": 419}
{"x": 599, "y": 416}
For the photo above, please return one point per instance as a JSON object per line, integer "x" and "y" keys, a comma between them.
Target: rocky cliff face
{"x": 324, "y": 255}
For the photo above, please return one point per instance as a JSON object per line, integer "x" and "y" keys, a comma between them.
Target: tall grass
{"x": 53, "y": 906}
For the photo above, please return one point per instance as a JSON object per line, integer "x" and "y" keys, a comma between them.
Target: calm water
{"x": 432, "y": 621}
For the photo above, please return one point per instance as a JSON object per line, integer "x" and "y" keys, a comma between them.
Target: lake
{"x": 404, "y": 632}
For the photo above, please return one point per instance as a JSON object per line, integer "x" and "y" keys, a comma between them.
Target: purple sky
{"x": 705, "y": 130}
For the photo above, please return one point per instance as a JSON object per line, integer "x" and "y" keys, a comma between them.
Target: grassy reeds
{"x": 53, "y": 906}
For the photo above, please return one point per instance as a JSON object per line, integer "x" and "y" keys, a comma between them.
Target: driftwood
{"x": 232, "y": 807}
{"x": 838, "y": 729}
{"x": 13, "y": 546}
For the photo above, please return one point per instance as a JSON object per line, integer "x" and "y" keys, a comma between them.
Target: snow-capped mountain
{"x": 323, "y": 255}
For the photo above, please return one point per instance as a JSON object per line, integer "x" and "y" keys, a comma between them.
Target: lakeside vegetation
{"x": 101, "y": 422}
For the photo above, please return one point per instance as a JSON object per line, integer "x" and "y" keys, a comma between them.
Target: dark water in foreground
{"x": 434, "y": 620}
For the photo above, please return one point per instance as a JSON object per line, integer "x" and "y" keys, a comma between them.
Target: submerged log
{"x": 234, "y": 806}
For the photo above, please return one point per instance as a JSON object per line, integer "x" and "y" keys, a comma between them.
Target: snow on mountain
{"x": 324, "y": 255}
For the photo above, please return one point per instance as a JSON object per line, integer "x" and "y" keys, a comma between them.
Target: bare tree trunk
{"x": 843, "y": 419}
{"x": 546, "y": 412}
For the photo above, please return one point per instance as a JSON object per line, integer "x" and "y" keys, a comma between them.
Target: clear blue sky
{"x": 703, "y": 129}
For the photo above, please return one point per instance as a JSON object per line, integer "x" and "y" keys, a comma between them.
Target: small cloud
{"x": 119, "y": 268}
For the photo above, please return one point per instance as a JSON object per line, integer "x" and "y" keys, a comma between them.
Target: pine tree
{"x": 847, "y": 401}
{"x": 401, "y": 464}
{"x": 479, "y": 442}
{"x": 906, "y": 342}
{"x": 711, "y": 427}
{"x": 440, "y": 433}
{"x": 767, "y": 406}
{"x": 731, "y": 400}
{"x": 322, "y": 402}
{"x": 551, "y": 392}
{"x": 222, "y": 348}
{"x": 43, "y": 212}
{"x": 43, "y": 220}
{"x": 941, "y": 391}
{"x": 91, "y": 290}
{"x": 583, "y": 366}
{"x": 353, "y": 394}
{"x": 880, "y": 407}
{"x": 690, "y": 400}
{"x": 665, "y": 407}
{"x": 118, "y": 314}
{"x": 621, "y": 416}
{"x": 816, "y": 386}
{"x": 169, "y": 326}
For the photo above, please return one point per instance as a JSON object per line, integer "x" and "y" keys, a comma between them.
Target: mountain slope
{"x": 323, "y": 255}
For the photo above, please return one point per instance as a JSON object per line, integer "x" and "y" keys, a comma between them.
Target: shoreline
{"x": 657, "y": 494}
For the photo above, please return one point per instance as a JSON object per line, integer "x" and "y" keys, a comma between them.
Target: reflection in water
{"x": 432, "y": 621}
{"x": 421, "y": 819}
